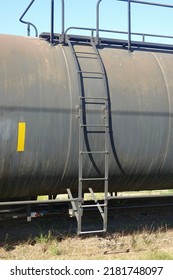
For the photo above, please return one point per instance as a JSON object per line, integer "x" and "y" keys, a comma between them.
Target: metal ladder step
{"x": 95, "y": 131}
{"x": 92, "y": 231}
{"x": 94, "y": 152}
{"x": 93, "y": 205}
{"x": 90, "y": 97}
{"x": 93, "y": 179}
{"x": 94, "y": 100}
{"x": 76, "y": 52}
{"x": 94, "y": 125}
{"x": 91, "y": 72}
{"x": 94, "y": 103}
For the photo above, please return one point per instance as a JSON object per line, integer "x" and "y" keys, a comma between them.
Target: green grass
{"x": 158, "y": 255}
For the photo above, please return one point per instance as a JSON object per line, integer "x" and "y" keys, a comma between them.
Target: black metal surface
{"x": 48, "y": 93}
{"x": 141, "y": 117}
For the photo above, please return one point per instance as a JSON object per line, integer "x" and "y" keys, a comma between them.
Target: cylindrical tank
{"x": 39, "y": 90}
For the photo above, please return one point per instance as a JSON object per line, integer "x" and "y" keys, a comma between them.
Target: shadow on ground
{"x": 120, "y": 221}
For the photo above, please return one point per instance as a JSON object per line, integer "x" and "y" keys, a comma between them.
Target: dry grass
{"x": 148, "y": 244}
{"x": 100, "y": 196}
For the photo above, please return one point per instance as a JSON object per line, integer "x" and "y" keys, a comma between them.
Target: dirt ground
{"x": 132, "y": 234}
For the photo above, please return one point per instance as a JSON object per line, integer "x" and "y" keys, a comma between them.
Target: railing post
{"x": 97, "y": 21}
{"x": 63, "y": 16}
{"x": 52, "y": 22}
{"x": 28, "y": 29}
{"x": 62, "y": 35}
{"x": 129, "y": 25}
{"x": 61, "y": 38}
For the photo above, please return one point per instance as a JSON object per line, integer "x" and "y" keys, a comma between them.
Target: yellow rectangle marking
{"x": 21, "y": 136}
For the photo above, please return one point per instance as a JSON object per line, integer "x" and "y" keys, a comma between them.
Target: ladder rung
{"x": 93, "y": 125}
{"x": 87, "y": 53}
{"x": 92, "y": 231}
{"x": 94, "y": 152}
{"x": 93, "y": 205}
{"x": 95, "y": 131}
{"x": 91, "y": 72}
{"x": 102, "y": 98}
{"x": 92, "y": 179}
{"x": 94, "y": 103}
{"x": 82, "y": 42}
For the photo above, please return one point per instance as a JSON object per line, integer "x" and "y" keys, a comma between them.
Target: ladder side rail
{"x": 107, "y": 109}
{"x": 80, "y": 159}
{"x": 106, "y": 184}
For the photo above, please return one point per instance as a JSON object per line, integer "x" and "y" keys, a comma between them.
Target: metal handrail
{"x": 129, "y": 16}
{"x": 148, "y": 3}
{"x": 143, "y": 35}
{"x": 52, "y": 20}
{"x": 80, "y": 28}
{"x": 97, "y": 29}
{"x": 29, "y": 24}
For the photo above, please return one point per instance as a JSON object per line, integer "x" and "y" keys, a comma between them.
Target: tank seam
{"x": 70, "y": 91}
{"x": 168, "y": 95}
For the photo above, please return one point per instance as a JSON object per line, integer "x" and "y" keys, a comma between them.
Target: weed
{"x": 55, "y": 249}
{"x": 44, "y": 238}
{"x": 158, "y": 255}
{"x": 134, "y": 240}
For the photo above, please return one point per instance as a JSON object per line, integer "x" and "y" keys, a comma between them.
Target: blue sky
{"x": 113, "y": 15}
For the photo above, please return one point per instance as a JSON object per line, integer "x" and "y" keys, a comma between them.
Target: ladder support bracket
{"x": 97, "y": 203}
{"x": 73, "y": 204}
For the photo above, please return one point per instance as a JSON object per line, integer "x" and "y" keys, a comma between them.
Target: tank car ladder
{"x": 83, "y": 130}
